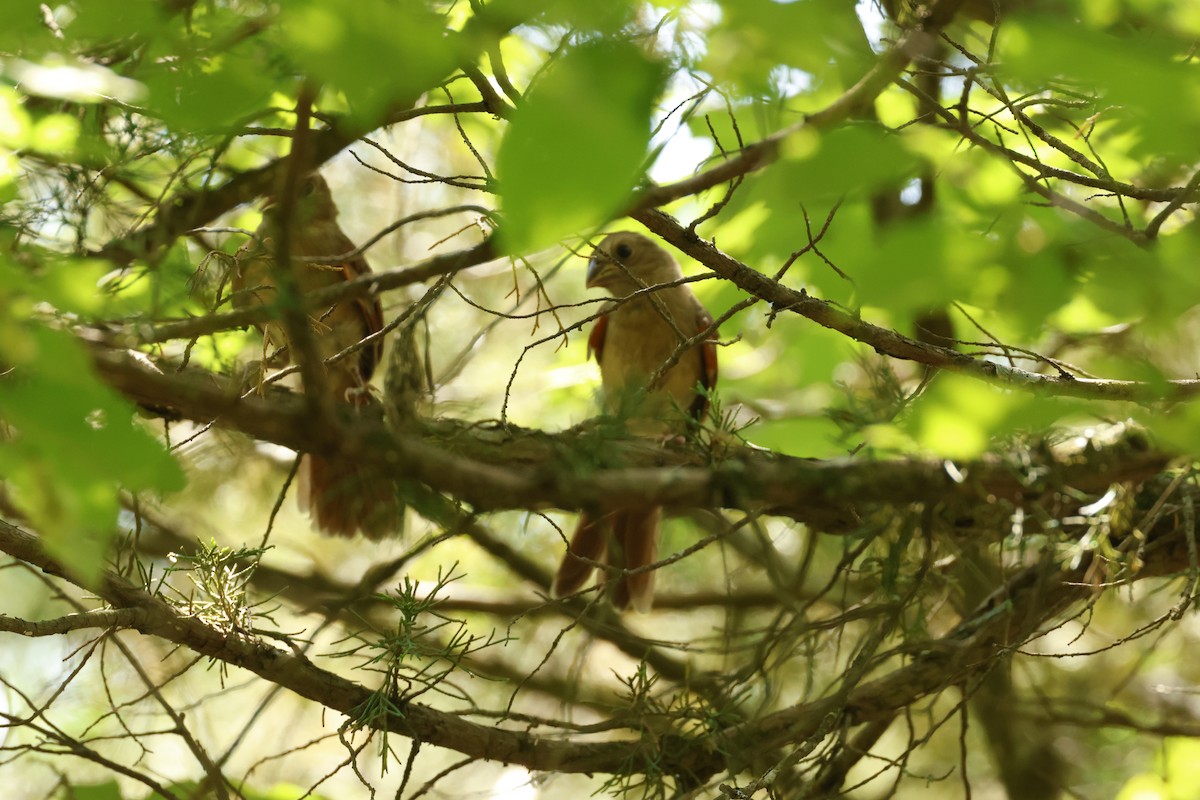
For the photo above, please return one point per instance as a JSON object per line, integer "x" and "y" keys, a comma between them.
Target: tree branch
{"x": 1008, "y": 618}
{"x": 195, "y": 207}
{"x": 890, "y": 343}
{"x": 154, "y": 617}
{"x": 890, "y": 66}
{"x": 1012, "y": 615}
{"x": 105, "y": 618}
{"x": 500, "y": 468}
{"x": 139, "y": 333}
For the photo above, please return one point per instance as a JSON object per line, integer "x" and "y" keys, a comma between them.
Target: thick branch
{"x": 508, "y": 468}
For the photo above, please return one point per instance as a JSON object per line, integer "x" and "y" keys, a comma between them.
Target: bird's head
{"x": 625, "y": 262}
{"x": 313, "y": 203}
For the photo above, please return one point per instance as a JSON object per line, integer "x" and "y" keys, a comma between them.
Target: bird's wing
{"x": 596, "y": 337}
{"x": 371, "y": 310}
{"x": 707, "y": 352}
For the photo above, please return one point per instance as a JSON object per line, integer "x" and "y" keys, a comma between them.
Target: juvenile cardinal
{"x": 340, "y": 496}
{"x": 633, "y": 340}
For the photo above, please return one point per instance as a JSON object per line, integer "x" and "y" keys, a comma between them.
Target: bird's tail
{"x": 634, "y": 544}
{"x": 588, "y": 545}
{"x": 636, "y": 533}
{"x": 344, "y": 497}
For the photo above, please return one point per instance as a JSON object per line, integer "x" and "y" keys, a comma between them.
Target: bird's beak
{"x": 596, "y": 265}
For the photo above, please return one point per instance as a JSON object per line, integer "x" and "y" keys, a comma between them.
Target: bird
{"x": 634, "y": 338}
{"x": 341, "y": 496}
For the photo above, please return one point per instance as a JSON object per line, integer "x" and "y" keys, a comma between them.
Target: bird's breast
{"x": 639, "y": 341}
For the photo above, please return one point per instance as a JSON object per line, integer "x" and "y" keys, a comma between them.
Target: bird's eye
{"x": 623, "y": 251}
{"x": 309, "y": 188}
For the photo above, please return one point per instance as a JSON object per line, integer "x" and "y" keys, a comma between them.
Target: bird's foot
{"x": 250, "y": 379}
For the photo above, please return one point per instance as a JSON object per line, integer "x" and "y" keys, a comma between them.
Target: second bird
{"x": 633, "y": 340}
{"x": 341, "y": 495}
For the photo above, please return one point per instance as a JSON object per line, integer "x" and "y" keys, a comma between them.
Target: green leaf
{"x": 21, "y": 28}
{"x": 377, "y": 53}
{"x": 16, "y": 125}
{"x": 1140, "y": 78}
{"x": 756, "y": 38}
{"x": 205, "y": 92}
{"x": 922, "y": 264}
{"x": 1127, "y": 281}
{"x": 109, "y": 790}
{"x": 960, "y": 417}
{"x": 110, "y": 21}
{"x": 576, "y": 147}
{"x": 281, "y": 791}
{"x": 850, "y": 160}
{"x": 1175, "y": 774}
{"x": 75, "y": 444}
{"x": 736, "y": 126}
{"x": 817, "y": 172}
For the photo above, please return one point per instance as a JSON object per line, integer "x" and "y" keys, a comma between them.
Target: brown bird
{"x": 341, "y": 496}
{"x": 633, "y": 340}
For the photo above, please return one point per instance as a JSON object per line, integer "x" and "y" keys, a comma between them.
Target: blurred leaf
{"x": 845, "y": 161}
{"x": 108, "y": 790}
{"x": 56, "y": 134}
{"x": 960, "y": 417}
{"x": 21, "y": 27}
{"x": 1080, "y": 316}
{"x": 922, "y": 264}
{"x": 884, "y": 438}
{"x": 378, "y": 53}
{"x": 1036, "y": 287}
{"x": 1145, "y": 786}
{"x": 87, "y": 288}
{"x": 1177, "y": 429}
{"x": 817, "y": 172}
{"x": 1180, "y": 765}
{"x": 203, "y": 92}
{"x": 1176, "y": 262}
{"x": 757, "y": 40}
{"x": 765, "y": 222}
{"x": 284, "y": 791}
{"x": 806, "y": 437}
{"x": 606, "y": 18}
{"x": 75, "y": 444}
{"x": 111, "y": 21}
{"x": 990, "y": 183}
{"x": 1175, "y": 777}
{"x": 812, "y": 353}
{"x": 576, "y": 147}
{"x": 1126, "y": 281}
{"x": 16, "y": 126}
{"x": 948, "y": 433}
{"x": 738, "y": 126}
{"x": 72, "y": 285}
{"x": 1138, "y": 77}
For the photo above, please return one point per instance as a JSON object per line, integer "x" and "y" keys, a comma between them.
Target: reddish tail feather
{"x": 629, "y": 537}
{"x": 636, "y": 533}
{"x": 343, "y": 497}
{"x": 589, "y": 543}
